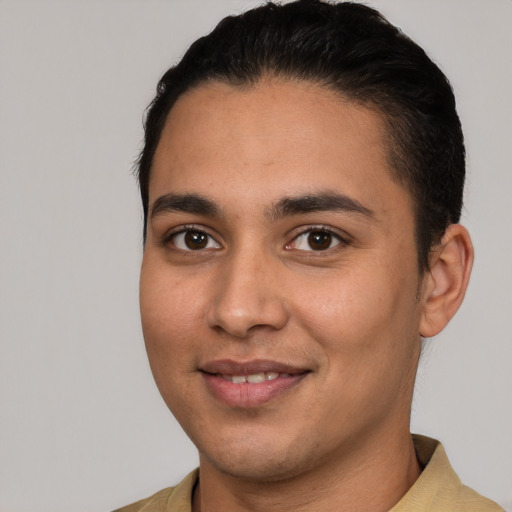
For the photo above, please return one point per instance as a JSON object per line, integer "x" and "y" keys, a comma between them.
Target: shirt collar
{"x": 437, "y": 476}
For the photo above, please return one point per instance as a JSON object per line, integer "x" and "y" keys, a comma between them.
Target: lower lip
{"x": 247, "y": 394}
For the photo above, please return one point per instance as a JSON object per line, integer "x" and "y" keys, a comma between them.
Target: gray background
{"x": 82, "y": 427}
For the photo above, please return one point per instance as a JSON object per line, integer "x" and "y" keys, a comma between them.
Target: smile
{"x": 250, "y": 384}
{"x": 255, "y": 378}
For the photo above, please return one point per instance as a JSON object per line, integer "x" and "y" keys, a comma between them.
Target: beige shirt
{"x": 438, "y": 489}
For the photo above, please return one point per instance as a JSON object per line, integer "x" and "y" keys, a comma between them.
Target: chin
{"x": 262, "y": 471}
{"x": 256, "y": 460}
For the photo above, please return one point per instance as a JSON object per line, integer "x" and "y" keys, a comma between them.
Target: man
{"x": 302, "y": 181}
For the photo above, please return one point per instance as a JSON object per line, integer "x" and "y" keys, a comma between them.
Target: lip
{"x": 247, "y": 395}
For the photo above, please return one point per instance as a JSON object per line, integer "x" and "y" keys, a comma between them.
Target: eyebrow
{"x": 286, "y": 206}
{"x": 323, "y": 201}
{"x": 188, "y": 203}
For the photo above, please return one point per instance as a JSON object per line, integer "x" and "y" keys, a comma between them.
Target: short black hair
{"x": 352, "y": 49}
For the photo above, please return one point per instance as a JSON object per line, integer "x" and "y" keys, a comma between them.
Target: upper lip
{"x": 232, "y": 367}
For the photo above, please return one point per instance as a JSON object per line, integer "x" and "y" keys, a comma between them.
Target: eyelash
{"x": 305, "y": 231}
{"x": 308, "y": 231}
{"x": 183, "y": 230}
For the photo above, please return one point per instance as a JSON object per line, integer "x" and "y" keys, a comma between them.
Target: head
{"x": 353, "y": 51}
{"x": 301, "y": 176}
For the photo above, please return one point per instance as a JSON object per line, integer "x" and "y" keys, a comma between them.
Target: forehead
{"x": 275, "y": 137}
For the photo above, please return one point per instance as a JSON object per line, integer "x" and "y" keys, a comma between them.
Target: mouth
{"x": 254, "y": 378}
{"x": 250, "y": 384}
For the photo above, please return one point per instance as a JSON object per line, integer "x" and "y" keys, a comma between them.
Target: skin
{"x": 350, "y": 314}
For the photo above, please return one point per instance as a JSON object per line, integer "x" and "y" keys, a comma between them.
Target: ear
{"x": 447, "y": 279}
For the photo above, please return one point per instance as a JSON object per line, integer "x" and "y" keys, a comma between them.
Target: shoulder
{"x": 439, "y": 489}
{"x": 171, "y": 499}
{"x": 468, "y": 500}
{"x": 155, "y": 503}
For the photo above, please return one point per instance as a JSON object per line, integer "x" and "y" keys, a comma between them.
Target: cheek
{"x": 352, "y": 302}
{"x": 366, "y": 321}
{"x": 167, "y": 320}
{"x": 171, "y": 315}
{"x": 366, "y": 326}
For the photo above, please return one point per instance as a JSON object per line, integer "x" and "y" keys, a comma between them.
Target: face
{"x": 279, "y": 285}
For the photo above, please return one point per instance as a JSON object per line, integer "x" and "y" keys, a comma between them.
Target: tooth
{"x": 256, "y": 378}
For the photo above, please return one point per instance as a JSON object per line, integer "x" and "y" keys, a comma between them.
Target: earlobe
{"x": 447, "y": 280}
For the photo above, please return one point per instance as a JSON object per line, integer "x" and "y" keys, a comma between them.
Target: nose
{"x": 248, "y": 295}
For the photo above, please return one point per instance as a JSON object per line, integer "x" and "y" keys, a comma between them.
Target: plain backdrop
{"x": 82, "y": 426}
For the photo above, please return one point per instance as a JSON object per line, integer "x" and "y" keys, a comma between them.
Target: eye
{"x": 315, "y": 240}
{"x": 193, "y": 240}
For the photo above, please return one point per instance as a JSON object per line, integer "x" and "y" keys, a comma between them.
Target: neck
{"x": 371, "y": 476}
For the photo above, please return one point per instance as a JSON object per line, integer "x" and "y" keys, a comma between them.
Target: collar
{"x": 437, "y": 489}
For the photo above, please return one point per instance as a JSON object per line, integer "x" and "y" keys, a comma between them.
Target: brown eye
{"x": 319, "y": 240}
{"x": 193, "y": 240}
{"x": 315, "y": 240}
